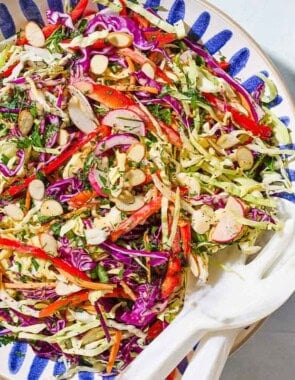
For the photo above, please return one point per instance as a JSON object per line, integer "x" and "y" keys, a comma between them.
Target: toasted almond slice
{"x": 130, "y": 207}
{"x": 134, "y": 177}
{"x": 79, "y": 116}
{"x": 120, "y": 39}
{"x": 25, "y": 122}
{"x": 99, "y": 64}
{"x": 136, "y": 152}
{"x": 51, "y": 208}
{"x": 48, "y": 243}
{"x": 34, "y": 34}
{"x": 148, "y": 69}
{"x": 37, "y": 189}
{"x": 227, "y": 141}
{"x": 14, "y": 212}
{"x": 245, "y": 158}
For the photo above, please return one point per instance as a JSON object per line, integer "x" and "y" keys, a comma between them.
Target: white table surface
{"x": 270, "y": 354}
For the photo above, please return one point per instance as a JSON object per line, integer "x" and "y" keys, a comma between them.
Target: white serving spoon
{"x": 231, "y": 299}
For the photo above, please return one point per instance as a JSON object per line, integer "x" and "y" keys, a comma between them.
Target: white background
{"x": 270, "y": 354}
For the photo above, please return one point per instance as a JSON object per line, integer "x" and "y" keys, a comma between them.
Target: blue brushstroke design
{"x": 277, "y": 100}
{"x": 152, "y": 4}
{"x": 37, "y": 367}
{"x": 176, "y": 12}
{"x": 83, "y": 375}
{"x": 218, "y": 41}
{"x": 199, "y": 27}
{"x": 73, "y": 3}
{"x": 290, "y": 146}
{"x": 31, "y": 11}
{"x": 238, "y": 61}
{"x": 55, "y": 5}
{"x": 253, "y": 82}
{"x": 182, "y": 366}
{"x": 291, "y": 174}
{"x": 288, "y": 196}
{"x": 17, "y": 356}
{"x": 285, "y": 120}
{"x": 7, "y": 25}
{"x": 59, "y": 368}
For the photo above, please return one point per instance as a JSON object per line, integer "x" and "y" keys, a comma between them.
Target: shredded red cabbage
{"x": 64, "y": 19}
{"x": 157, "y": 258}
{"x": 146, "y": 307}
{"x": 120, "y": 24}
{"x": 12, "y": 172}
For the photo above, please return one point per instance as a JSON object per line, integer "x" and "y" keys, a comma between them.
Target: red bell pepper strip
{"x": 155, "y": 329}
{"x": 70, "y": 300}
{"x": 48, "y": 30}
{"x": 53, "y": 165}
{"x": 41, "y": 254}
{"x": 78, "y": 10}
{"x": 172, "y": 135}
{"x": 8, "y": 71}
{"x": 224, "y": 65}
{"x": 21, "y": 41}
{"x": 173, "y": 277}
{"x": 123, "y": 11}
{"x": 99, "y": 44}
{"x": 245, "y": 122}
{"x": 160, "y": 37}
{"x": 186, "y": 237}
{"x": 138, "y": 217}
{"x": 104, "y": 94}
{"x": 140, "y": 20}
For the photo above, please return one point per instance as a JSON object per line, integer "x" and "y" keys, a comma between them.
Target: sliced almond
{"x": 130, "y": 207}
{"x": 79, "y": 116}
{"x": 99, "y": 64}
{"x": 244, "y": 158}
{"x": 120, "y": 39}
{"x": 37, "y": 189}
{"x": 51, "y": 208}
{"x": 34, "y": 34}
{"x": 148, "y": 69}
{"x": 63, "y": 137}
{"x": 136, "y": 153}
{"x": 25, "y": 122}
{"x": 14, "y": 212}
{"x": 48, "y": 243}
{"x": 134, "y": 177}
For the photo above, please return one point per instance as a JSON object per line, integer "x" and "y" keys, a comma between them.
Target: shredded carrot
{"x": 128, "y": 290}
{"x": 89, "y": 308}
{"x": 131, "y": 69}
{"x": 28, "y": 201}
{"x": 114, "y": 350}
{"x": 29, "y": 285}
{"x": 87, "y": 284}
{"x": 151, "y": 90}
{"x": 72, "y": 300}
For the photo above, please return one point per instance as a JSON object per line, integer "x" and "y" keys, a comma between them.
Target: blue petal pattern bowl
{"x": 207, "y": 25}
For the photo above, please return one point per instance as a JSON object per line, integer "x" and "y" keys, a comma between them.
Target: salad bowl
{"x": 220, "y": 36}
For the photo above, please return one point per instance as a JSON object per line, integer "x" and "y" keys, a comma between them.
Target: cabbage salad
{"x": 128, "y": 159}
